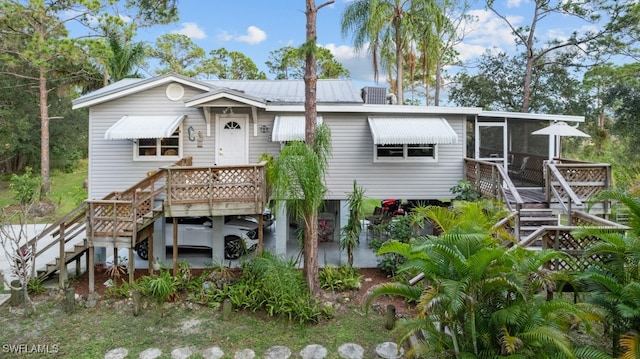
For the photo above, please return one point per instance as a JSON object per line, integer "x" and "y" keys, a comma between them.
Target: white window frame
{"x": 158, "y": 149}
{"x": 405, "y": 156}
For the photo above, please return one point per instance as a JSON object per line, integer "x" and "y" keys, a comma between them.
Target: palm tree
{"x": 613, "y": 280}
{"x": 297, "y": 178}
{"x": 482, "y": 299}
{"x": 123, "y": 59}
{"x": 385, "y": 26}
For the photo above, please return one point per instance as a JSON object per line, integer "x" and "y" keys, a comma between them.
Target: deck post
{"x": 62, "y": 269}
{"x": 175, "y": 246}
{"x": 150, "y": 258}
{"x": 260, "y": 234}
{"x": 132, "y": 265}
{"x": 91, "y": 270}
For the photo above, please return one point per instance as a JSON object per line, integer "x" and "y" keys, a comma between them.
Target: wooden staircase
{"x": 121, "y": 219}
{"x": 531, "y": 219}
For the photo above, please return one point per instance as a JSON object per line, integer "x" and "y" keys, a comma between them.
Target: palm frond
{"x": 630, "y": 342}
{"x": 412, "y": 293}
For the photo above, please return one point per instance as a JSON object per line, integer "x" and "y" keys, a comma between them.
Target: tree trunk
{"x": 399, "y": 64}
{"x": 311, "y": 253}
{"x": 310, "y": 108}
{"x": 436, "y": 95}
{"x": 44, "y": 133}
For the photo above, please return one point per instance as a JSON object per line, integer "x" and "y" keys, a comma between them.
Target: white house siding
{"x": 352, "y": 159}
{"x": 111, "y": 164}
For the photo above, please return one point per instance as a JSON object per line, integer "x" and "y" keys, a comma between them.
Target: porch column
{"x": 159, "y": 241}
{"x": 217, "y": 245}
{"x": 282, "y": 230}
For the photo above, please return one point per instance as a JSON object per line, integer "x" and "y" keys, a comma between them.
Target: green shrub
{"x": 36, "y": 286}
{"x": 25, "y": 187}
{"x": 464, "y": 191}
{"x": 340, "y": 278}
{"x": 277, "y": 286}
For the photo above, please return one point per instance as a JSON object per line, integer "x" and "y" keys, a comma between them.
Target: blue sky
{"x": 257, "y": 27}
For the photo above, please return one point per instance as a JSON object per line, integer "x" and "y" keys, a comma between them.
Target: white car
{"x": 196, "y": 232}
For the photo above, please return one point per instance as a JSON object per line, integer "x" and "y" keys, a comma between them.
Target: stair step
{"x": 538, "y": 219}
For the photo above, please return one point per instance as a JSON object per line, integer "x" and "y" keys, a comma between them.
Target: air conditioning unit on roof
{"x": 374, "y": 95}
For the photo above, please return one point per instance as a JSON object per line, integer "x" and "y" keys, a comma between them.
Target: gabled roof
{"x": 127, "y": 87}
{"x": 292, "y": 91}
{"x": 225, "y": 93}
{"x": 253, "y": 92}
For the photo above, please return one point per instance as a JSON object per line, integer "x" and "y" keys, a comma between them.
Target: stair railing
{"x": 64, "y": 230}
{"x": 492, "y": 181}
{"x": 555, "y": 184}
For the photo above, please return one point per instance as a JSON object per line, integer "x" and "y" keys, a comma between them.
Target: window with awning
{"x": 290, "y": 128}
{"x": 410, "y": 139}
{"x": 155, "y": 137}
{"x": 150, "y": 126}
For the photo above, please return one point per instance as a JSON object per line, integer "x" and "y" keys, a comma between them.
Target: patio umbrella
{"x": 558, "y": 130}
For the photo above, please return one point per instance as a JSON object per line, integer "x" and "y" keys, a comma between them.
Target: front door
{"x": 232, "y": 138}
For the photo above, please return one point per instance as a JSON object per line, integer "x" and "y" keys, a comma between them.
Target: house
{"x": 137, "y": 126}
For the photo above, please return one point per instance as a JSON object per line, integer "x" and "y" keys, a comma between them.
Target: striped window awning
{"x": 290, "y": 128}
{"x": 404, "y": 130}
{"x": 136, "y": 127}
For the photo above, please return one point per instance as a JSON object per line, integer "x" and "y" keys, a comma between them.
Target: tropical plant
{"x": 297, "y": 179}
{"x": 481, "y": 299}
{"x": 276, "y": 286}
{"x": 351, "y": 232}
{"x": 162, "y": 287}
{"x": 36, "y": 286}
{"x": 465, "y": 191}
{"x": 387, "y": 26}
{"x": 340, "y": 278}
{"x": 613, "y": 281}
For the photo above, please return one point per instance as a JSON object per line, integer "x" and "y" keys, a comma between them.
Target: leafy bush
{"x": 25, "y": 187}
{"x": 161, "y": 287}
{"x": 269, "y": 282}
{"x": 36, "y": 286}
{"x": 465, "y": 191}
{"x": 400, "y": 229}
{"x": 339, "y": 279}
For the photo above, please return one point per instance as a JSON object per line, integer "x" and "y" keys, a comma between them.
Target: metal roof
{"x": 134, "y": 127}
{"x": 405, "y": 130}
{"x": 290, "y": 128}
{"x": 292, "y": 91}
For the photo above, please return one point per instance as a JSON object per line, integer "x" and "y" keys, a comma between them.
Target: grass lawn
{"x": 91, "y": 333}
{"x": 66, "y": 191}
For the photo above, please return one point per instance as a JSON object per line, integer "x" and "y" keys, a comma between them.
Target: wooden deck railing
{"x": 571, "y": 183}
{"x": 491, "y": 180}
{"x": 561, "y": 238}
{"x": 214, "y": 191}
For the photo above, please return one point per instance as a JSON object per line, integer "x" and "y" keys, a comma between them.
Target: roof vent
{"x": 374, "y": 95}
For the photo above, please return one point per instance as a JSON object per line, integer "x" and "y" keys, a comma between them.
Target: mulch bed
{"x": 371, "y": 278}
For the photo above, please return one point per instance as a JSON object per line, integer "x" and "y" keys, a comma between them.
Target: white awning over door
{"x": 405, "y": 130}
{"x": 151, "y": 126}
{"x": 290, "y": 128}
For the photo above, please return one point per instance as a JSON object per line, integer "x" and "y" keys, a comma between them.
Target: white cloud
{"x": 254, "y": 35}
{"x": 513, "y": 3}
{"x": 358, "y": 63}
{"x": 224, "y": 36}
{"x": 489, "y": 31}
{"x": 192, "y": 30}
